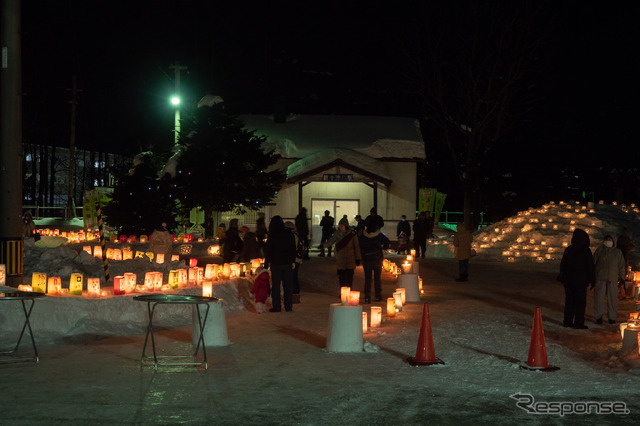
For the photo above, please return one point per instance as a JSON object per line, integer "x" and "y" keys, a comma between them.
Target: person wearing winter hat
{"x": 347, "y": 252}
{"x": 576, "y": 273}
{"x": 610, "y": 269}
{"x": 261, "y": 289}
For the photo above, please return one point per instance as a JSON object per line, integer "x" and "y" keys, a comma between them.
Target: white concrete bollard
{"x": 215, "y": 329}
{"x": 345, "y": 328}
{"x": 412, "y": 288}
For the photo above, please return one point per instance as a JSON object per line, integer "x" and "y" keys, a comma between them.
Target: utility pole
{"x": 11, "y": 226}
{"x": 70, "y": 212}
{"x": 176, "y": 126}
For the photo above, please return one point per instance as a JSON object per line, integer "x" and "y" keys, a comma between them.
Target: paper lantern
{"x": 123, "y": 238}
{"x": 139, "y": 254}
{"x": 193, "y": 262}
{"x": 345, "y": 293}
{"x": 159, "y": 258}
{"x": 235, "y": 270}
{"x": 87, "y": 249}
{"x": 150, "y": 255}
{"x": 157, "y": 281}
{"x": 193, "y": 276}
{"x": 214, "y": 250}
{"x": 409, "y": 258}
{"x": 75, "y": 284}
{"x": 183, "y": 276}
{"x": 143, "y": 238}
{"x": 376, "y": 316}
{"x": 93, "y": 286}
{"x": 199, "y": 275}
{"x": 181, "y": 238}
{"x": 354, "y": 298}
{"x": 188, "y": 238}
{"x": 149, "y": 279}
{"x": 398, "y": 301}
{"x": 132, "y": 239}
{"x": 3, "y": 274}
{"x": 386, "y": 265}
{"x": 117, "y": 254}
{"x": 403, "y": 293}
{"x": 210, "y": 270}
{"x": 226, "y": 270}
{"x": 127, "y": 254}
{"x": 207, "y": 288}
{"x": 130, "y": 282}
{"x": 391, "y": 307}
{"x": 413, "y": 253}
{"x": 175, "y": 257}
{"x": 406, "y": 268}
{"x": 39, "y": 282}
{"x": 23, "y": 287}
{"x": 173, "y": 278}
{"x": 420, "y": 285}
{"x": 364, "y": 322}
{"x": 173, "y": 238}
{"x": 119, "y": 285}
{"x": 54, "y": 285}
{"x": 97, "y": 251}
{"x": 109, "y": 254}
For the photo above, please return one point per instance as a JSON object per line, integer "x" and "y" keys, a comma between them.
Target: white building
{"x": 344, "y": 164}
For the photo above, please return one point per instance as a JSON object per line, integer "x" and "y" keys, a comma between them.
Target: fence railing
{"x": 452, "y": 218}
{"x": 39, "y": 212}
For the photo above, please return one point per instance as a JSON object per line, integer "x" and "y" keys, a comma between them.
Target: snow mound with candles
{"x": 541, "y": 234}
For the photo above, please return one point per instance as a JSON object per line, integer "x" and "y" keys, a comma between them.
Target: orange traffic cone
{"x": 537, "y": 350}
{"x": 425, "y": 353}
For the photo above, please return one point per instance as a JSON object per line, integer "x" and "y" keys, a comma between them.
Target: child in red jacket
{"x": 261, "y": 289}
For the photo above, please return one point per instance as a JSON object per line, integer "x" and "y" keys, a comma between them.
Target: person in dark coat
{"x": 374, "y": 220}
{"x": 302, "y": 227}
{"x": 577, "y": 272}
{"x": 326, "y": 224}
{"x": 261, "y": 231}
{"x": 280, "y": 255}
{"x": 232, "y": 242}
{"x": 359, "y": 225}
{"x": 404, "y": 227}
{"x": 372, "y": 245}
{"x": 420, "y": 229}
{"x": 250, "y": 245}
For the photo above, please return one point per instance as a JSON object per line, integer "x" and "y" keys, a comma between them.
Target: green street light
{"x": 175, "y": 100}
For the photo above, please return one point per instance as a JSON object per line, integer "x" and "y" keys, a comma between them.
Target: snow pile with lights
{"x": 541, "y": 234}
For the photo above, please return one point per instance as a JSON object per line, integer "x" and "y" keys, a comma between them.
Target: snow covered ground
{"x": 277, "y": 371}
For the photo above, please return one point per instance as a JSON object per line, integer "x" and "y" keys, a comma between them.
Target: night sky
{"x": 333, "y": 57}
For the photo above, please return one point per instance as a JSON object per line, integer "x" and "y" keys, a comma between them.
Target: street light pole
{"x": 176, "y": 98}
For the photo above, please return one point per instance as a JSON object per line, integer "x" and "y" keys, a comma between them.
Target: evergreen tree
{"x": 141, "y": 202}
{"x": 223, "y": 167}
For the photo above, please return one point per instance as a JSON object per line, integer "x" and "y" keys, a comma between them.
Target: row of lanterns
{"x": 153, "y": 280}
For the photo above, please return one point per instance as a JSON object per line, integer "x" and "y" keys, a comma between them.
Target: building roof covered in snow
{"x": 387, "y": 138}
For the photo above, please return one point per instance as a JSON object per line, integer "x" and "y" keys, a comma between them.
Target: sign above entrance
{"x": 337, "y": 177}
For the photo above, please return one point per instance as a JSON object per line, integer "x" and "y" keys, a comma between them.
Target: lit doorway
{"x": 337, "y": 209}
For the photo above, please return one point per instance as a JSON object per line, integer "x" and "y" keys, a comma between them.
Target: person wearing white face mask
{"x": 609, "y": 267}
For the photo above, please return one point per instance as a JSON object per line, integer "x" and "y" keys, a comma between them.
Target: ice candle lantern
{"x": 403, "y": 293}
{"x": 75, "y": 284}
{"x": 345, "y": 292}
{"x": 364, "y": 322}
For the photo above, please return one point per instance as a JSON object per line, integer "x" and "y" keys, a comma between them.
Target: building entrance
{"x": 337, "y": 209}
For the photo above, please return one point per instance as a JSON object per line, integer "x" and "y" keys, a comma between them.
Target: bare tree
{"x": 468, "y": 62}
